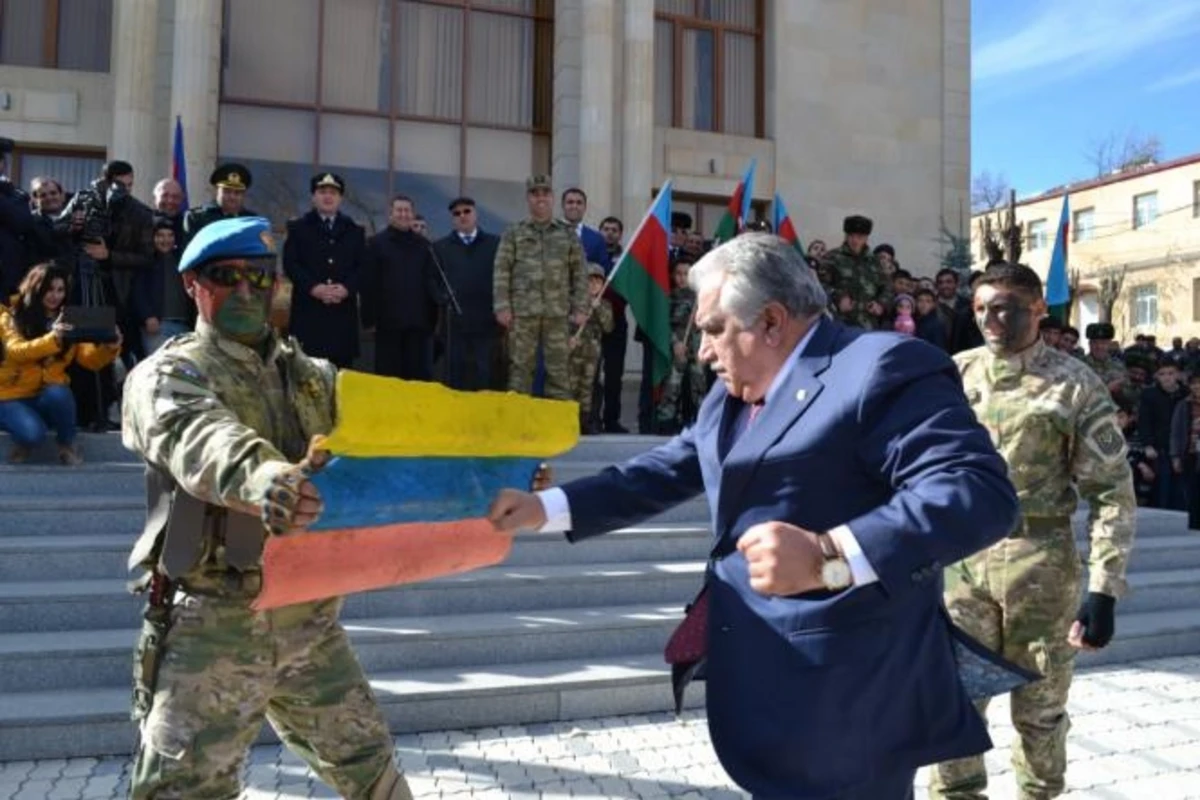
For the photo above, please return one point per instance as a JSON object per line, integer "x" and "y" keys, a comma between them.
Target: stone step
{"x": 86, "y": 659}
{"x": 105, "y": 447}
{"x": 94, "y": 722}
{"x": 27, "y": 607}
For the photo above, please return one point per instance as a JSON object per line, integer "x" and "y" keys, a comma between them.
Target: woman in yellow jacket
{"x": 34, "y": 388}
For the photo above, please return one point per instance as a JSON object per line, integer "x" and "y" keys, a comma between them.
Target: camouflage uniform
{"x": 1055, "y": 425}
{"x": 221, "y": 422}
{"x": 585, "y": 356}
{"x": 860, "y": 277}
{"x": 1109, "y": 370}
{"x": 667, "y": 413}
{"x": 540, "y": 277}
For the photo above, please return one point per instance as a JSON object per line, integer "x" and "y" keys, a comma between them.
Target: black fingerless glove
{"x": 1096, "y": 617}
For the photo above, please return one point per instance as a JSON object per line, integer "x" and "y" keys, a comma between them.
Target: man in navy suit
{"x": 843, "y": 470}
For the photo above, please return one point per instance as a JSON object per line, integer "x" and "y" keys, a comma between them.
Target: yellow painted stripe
{"x": 381, "y": 417}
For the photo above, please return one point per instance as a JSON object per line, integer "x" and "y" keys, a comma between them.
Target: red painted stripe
{"x": 649, "y": 251}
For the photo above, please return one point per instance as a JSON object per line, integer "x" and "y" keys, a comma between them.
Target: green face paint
{"x": 244, "y": 318}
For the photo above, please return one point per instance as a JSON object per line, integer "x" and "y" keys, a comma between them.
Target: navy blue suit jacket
{"x": 813, "y": 695}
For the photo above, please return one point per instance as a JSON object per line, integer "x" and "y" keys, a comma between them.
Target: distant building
{"x": 1145, "y": 222}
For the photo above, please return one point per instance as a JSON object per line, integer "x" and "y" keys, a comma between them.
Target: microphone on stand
{"x": 437, "y": 263}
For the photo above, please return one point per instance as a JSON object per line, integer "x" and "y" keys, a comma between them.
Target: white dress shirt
{"x": 558, "y": 509}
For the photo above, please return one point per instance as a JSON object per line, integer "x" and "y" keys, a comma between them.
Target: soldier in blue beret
{"x": 224, "y": 418}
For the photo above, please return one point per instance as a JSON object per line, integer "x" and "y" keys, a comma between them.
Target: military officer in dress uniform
{"x": 230, "y": 183}
{"x": 324, "y": 257}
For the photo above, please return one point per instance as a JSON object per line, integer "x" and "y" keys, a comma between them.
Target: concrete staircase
{"x": 557, "y": 632}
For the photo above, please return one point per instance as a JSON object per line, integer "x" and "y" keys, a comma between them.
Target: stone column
{"x": 135, "y": 51}
{"x": 195, "y": 83}
{"x": 637, "y": 145}
{"x": 564, "y": 143}
{"x": 597, "y": 109}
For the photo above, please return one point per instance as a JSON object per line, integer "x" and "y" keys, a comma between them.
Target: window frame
{"x": 542, "y": 18}
{"x": 1042, "y": 240}
{"x": 1136, "y": 225}
{"x": 1195, "y": 199}
{"x": 14, "y": 158}
{"x": 1136, "y": 299}
{"x": 680, "y": 23}
{"x": 50, "y": 33}
{"x": 1076, "y": 228}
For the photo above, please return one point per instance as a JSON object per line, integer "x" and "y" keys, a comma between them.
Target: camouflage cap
{"x": 540, "y": 181}
{"x": 594, "y": 270}
{"x": 235, "y": 237}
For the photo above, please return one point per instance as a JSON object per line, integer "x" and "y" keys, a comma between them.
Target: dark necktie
{"x": 328, "y": 225}
{"x": 467, "y": 240}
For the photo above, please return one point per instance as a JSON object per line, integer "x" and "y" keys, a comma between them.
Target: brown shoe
{"x": 68, "y": 456}
{"x": 19, "y": 454}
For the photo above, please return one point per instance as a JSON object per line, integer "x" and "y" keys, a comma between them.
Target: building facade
{"x": 847, "y": 107}
{"x": 1139, "y": 227}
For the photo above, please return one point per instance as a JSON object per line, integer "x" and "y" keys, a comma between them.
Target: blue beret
{"x": 236, "y": 237}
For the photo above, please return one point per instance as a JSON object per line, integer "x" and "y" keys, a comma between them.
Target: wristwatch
{"x": 835, "y": 572}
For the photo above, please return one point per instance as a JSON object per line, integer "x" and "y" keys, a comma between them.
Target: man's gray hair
{"x": 760, "y": 268}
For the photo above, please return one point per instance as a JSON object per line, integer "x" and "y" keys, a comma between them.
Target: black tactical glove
{"x": 1096, "y": 618}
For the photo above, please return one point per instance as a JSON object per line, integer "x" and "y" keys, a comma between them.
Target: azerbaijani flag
{"x": 414, "y": 467}
{"x": 733, "y": 221}
{"x": 643, "y": 277}
{"x": 178, "y": 162}
{"x": 783, "y": 224}
{"x": 1058, "y": 286}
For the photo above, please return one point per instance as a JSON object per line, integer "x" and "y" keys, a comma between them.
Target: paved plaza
{"x": 1135, "y": 734}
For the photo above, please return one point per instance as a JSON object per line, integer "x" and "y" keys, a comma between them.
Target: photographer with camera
{"x": 115, "y": 241}
{"x": 39, "y": 345}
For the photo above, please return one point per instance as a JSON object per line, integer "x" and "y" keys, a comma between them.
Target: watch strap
{"x": 828, "y": 548}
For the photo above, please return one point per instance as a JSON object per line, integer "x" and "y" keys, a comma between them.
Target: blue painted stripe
{"x": 365, "y": 492}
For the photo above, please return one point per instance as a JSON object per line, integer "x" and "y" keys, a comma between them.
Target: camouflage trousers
{"x": 582, "y": 365}
{"x": 670, "y": 404}
{"x": 524, "y": 336}
{"x": 226, "y": 668}
{"x": 1019, "y": 597}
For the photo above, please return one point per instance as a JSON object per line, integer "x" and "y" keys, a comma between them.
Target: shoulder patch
{"x": 1108, "y": 439}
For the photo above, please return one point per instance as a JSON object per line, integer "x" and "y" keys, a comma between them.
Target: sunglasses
{"x": 462, "y": 212}
{"x": 228, "y": 274}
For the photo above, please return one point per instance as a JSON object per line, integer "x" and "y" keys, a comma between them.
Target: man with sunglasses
{"x": 224, "y": 417}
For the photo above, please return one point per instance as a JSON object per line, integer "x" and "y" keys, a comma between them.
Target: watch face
{"x": 836, "y": 574}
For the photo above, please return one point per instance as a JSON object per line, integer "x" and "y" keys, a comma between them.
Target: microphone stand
{"x": 437, "y": 263}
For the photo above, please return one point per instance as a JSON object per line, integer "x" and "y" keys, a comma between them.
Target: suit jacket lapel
{"x": 787, "y": 405}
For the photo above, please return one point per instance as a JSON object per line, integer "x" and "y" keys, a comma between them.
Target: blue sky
{"x": 1052, "y": 78}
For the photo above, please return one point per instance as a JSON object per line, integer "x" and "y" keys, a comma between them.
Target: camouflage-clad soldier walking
{"x": 223, "y": 418}
{"x": 585, "y": 348}
{"x": 1055, "y": 424}
{"x": 853, "y": 272}
{"x": 539, "y": 284}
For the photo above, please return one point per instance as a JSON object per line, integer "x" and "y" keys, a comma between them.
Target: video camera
{"x": 96, "y": 204}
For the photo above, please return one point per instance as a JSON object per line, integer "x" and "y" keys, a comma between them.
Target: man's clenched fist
{"x": 783, "y": 559}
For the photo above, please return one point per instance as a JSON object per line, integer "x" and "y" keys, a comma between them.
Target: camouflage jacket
{"x": 223, "y": 421}
{"x": 683, "y": 308}
{"x": 599, "y": 323}
{"x": 859, "y": 277}
{"x": 540, "y": 271}
{"x": 1109, "y": 370}
{"x": 1055, "y": 424}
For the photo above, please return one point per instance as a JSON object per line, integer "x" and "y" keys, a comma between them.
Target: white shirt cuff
{"x": 860, "y": 568}
{"x": 558, "y": 510}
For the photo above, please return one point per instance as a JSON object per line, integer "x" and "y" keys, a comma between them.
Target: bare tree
{"x": 1111, "y": 283}
{"x": 988, "y": 191}
{"x": 1074, "y": 281}
{"x": 1119, "y": 152}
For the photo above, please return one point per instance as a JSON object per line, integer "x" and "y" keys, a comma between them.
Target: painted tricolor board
{"x": 414, "y": 466}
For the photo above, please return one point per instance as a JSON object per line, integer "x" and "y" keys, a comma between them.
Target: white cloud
{"x": 1073, "y": 36}
{"x": 1175, "y": 81}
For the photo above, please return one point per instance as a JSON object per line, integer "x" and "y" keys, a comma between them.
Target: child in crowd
{"x": 1143, "y": 468}
{"x": 929, "y": 323}
{"x": 902, "y": 311}
{"x": 585, "y": 348}
{"x": 685, "y": 386}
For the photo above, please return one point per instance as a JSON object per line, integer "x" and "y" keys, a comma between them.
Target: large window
{"x": 1143, "y": 301}
{"x": 61, "y": 34}
{"x": 1085, "y": 224}
{"x": 432, "y": 98}
{"x": 1038, "y": 234}
{"x": 73, "y": 169}
{"x": 708, "y": 65}
{"x": 1145, "y": 209}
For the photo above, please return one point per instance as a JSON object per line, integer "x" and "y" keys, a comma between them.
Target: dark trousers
{"x": 94, "y": 393}
{"x": 610, "y": 374}
{"x": 404, "y": 354}
{"x": 898, "y": 786}
{"x": 469, "y": 360}
{"x": 1191, "y": 482}
{"x": 646, "y": 391}
{"x": 1168, "y": 487}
